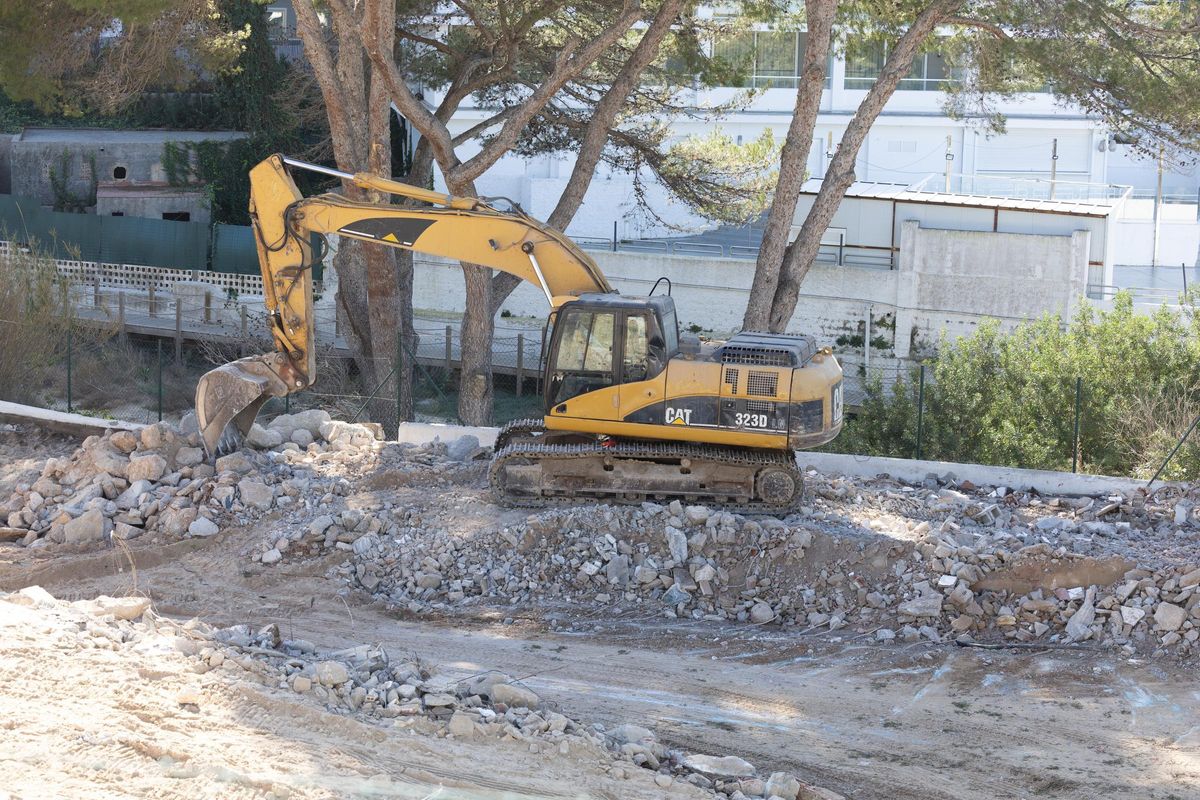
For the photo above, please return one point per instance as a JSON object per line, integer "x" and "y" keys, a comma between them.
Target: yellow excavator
{"x": 633, "y": 411}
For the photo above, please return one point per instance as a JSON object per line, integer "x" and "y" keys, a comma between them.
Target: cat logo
{"x": 679, "y": 416}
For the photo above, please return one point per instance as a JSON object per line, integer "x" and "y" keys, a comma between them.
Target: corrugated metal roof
{"x": 900, "y": 192}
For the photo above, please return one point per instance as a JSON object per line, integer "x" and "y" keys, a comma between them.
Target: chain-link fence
{"x": 137, "y": 354}
{"x": 1073, "y": 423}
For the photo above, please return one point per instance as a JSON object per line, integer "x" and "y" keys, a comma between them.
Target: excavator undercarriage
{"x": 534, "y": 467}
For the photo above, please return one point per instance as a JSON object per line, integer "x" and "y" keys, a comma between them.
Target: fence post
{"x": 178, "y": 331}
{"x": 207, "y": 307}
{"x": 69, "y": 348}
{"x": 449, "y": 350}
{"x": 151, "y": 305}
{"x": 121, "y": 312}
{"x": 920, "y": 411}
{"x": 160, "y": 381}
{"x": 398, "y": 369}
{"x": 96, "y": 292}
{"x": 520, "y": 362}
{"x": 1075, "y": 442}
{"x": 242, "y": 312}
{"x": 614, "y": 242}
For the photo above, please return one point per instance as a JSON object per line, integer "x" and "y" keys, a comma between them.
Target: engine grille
{"x": 755, "y": 356}
{"x": 763, "y": 384}
{"x": 731, "y": 379}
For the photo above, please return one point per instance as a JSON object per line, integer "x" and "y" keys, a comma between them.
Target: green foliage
{"x": 1009, "y": 399}
{"x": 60, "y": 184}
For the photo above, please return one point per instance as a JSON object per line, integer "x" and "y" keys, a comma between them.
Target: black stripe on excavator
{"x": 734, "y": 413}
{"x": 398, "y": 231}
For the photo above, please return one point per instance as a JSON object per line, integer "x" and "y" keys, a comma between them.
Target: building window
{"x": 769, "y": 59}
{"x": 119, "y": 173}
{"x": 277, "y": 27}
{"x": 177, "y": 216}
{"x": 864, "y": 63}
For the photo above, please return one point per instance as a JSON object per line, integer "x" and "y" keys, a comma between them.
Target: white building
{"x": 912, "y": 140}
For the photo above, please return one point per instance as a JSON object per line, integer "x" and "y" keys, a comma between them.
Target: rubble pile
{"x": 991, "y": 574}
{"x": 936, "y": 561}
{"x": 403, "y": 693}
{"x": 124, "y": 484}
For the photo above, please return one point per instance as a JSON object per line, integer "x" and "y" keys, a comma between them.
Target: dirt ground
{"x": 872, "y": 722}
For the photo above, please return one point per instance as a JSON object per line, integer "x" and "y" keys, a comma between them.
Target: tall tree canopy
{"x": 1134, "y": 65}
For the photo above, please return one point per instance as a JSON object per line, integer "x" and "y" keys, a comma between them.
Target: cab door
{"x": 643, "y": 375}
{"x": 582, "y": 376}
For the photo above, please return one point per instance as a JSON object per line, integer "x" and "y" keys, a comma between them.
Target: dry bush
{"x": 1150, "y": 424}
{"x": 35, "y": 313}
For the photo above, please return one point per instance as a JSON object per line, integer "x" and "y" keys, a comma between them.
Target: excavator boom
{"x": 460, "y": 228}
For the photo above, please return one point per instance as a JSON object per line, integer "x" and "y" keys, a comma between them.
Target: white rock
{"x": 1078, "y": 626}
{"x": 929, "y": 605}
{"x": 783, "y": 785}
{"x": 189, "y": 456}
{"x": 302, "y": 437}
{"x": 234, "y": 462}
{"x": 462, "y": 725}
{"x": 128, "y": 608}
{"x": 263, "y": 438}
{"x": 514, "y": 696}
{"x": 332, "y": 673}
{"x": 1132, "y": 615}
{"x": 723, "y": 767}
{"x": 88, "y": 527}
{"x": 677, "y": 542}
{"x": 147, "y": 468}
{"x": 271, "y": 556}
{"x": 1169, "y": 617}
{"x": 463, "y": 448}
{"x": 202, "y": 526}
{"x": 256, "y": 493}
{"x": 761, "y": 613}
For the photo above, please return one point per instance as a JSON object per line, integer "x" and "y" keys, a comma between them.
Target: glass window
{"x": 864, "y": 62}
{"x": 775, "y": 54}
{"x": 737, "y": 51}
{"x": 585, "y": 355}
{"x": 769, "y": 59}
{"x": 671, "y": 331}
{"x": 586, "y": 342}
{"x": 636, "y": 363}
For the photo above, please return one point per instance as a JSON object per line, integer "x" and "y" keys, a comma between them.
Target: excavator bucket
{"x": 234, "y": 393}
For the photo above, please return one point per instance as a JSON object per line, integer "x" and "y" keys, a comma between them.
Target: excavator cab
{"x": 603, "y": 340}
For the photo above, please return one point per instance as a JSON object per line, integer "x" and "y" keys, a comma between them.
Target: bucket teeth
{"x": 234, "y": 393}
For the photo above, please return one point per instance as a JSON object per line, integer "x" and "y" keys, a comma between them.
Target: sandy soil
{"x": 919, "y": 720}
{"x": 915, "y": 721}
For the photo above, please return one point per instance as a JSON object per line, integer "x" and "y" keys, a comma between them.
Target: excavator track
{"x": 535, "y": 474}
{"x": 519, "y": 429}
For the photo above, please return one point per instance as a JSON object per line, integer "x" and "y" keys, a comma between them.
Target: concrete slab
{"x": 61, "y": 421}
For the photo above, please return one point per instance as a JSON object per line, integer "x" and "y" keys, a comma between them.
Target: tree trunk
{"x": 793, "y": 164}
{"x": 799, "y": 258}
{"x": 475, "y": 395}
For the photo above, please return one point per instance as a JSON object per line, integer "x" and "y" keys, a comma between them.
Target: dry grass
{"x": 1151, "y": 424}
{"x": 35, "y": 314}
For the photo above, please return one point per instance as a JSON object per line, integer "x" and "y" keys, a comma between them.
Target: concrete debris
{"x": 890, "y": 561}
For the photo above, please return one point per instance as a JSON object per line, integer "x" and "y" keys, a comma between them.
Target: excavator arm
{"x": 459, "y": 228}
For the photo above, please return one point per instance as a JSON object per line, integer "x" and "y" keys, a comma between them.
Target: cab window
{"x": 584, "y": 361}
{"x": 636, "y": 365}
